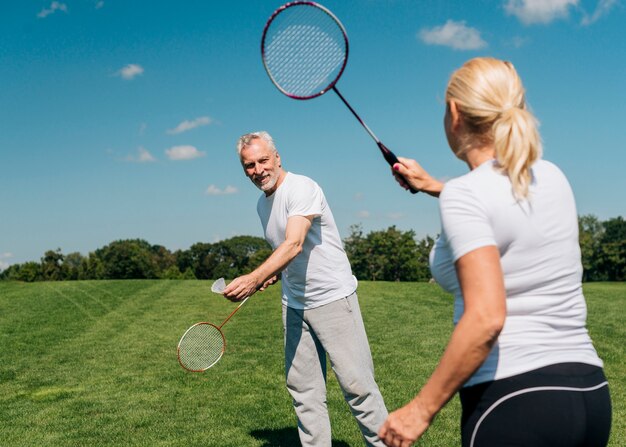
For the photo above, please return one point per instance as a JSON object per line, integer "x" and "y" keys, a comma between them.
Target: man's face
{"x": 262, "y": 165}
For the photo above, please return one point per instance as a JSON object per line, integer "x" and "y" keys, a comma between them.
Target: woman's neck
{"x": 477, "y": 156}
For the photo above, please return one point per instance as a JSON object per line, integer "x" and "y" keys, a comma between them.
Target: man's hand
{"x": 241, "y": 287}
{"x": 269, "y": 282}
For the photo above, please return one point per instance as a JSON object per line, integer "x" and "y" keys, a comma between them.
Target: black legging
{"x": 563, "y": 405}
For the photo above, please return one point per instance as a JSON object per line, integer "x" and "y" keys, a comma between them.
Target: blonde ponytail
{"x": 517, "y": 146}
{"x": 490, "y": 97}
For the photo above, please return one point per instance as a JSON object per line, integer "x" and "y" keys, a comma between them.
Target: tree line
{"x": 384, "y": 255}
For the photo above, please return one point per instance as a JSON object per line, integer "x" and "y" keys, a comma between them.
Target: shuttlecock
{"x": 218, "y": 286}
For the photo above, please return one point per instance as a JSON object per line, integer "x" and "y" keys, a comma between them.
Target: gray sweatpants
{"x": 336, "y": 330}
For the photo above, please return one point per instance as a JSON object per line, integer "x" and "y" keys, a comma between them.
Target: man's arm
{"x": 245, "y": 285}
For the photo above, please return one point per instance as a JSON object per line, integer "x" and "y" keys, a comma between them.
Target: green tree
{"x": 258, "y": 258}
{"x": 233, "y": 255}
{"x": 387, "y": 255}
{"x": 356, "y": 248}
{"x": 188, "y": 274}
{"x": 199, "y": 258}
{"x": 52, "y": 267}
{"x": 171, "y": 273}
{"x": 28, "y": 272}
{"x": 91, "y": 267}
{"x": 612, "y": 256}
{"x": 128, "y": 259}
{"x": 228, "y": 258}
{"x": 423, "y": 254}
{"x": 73, "y": 263}
{"x": 163, "y": 258}
{"x": 590, "y": 233}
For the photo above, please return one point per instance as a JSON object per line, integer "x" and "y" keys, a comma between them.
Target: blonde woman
{"x": 520, "y": 353}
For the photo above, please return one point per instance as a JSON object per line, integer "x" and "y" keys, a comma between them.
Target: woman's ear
{"x": 455, "y": 117}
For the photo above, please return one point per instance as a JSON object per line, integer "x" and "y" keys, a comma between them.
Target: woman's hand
{"x": 406, "y": 425}
{"x": 408, "y": 172}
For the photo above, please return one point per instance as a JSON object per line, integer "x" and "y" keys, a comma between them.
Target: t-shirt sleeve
{"x": 305, "y": 199}
{"x": 464, "y": 220}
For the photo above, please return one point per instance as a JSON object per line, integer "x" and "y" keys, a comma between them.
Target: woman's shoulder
{"x": 546, "y": 165}
{"x": 468, "y": 183}
{"x": 458, "y": 188}
{"x": 545, "y": 171}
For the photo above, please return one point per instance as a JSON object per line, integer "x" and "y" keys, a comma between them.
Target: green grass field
{"x": 94, "y": 363}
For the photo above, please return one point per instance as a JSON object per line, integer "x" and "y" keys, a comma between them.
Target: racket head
{"x": 201, "y": 347}
{"x": 304, "y": 49}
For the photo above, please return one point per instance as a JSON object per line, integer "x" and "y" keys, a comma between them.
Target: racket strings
{"x": 306, "y": 51}
{"x": 302, "y": 58}
{"x": 201, "y": 347}
{"x": 308, "y": 63}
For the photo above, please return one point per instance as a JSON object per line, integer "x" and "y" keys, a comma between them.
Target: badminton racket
{"x": 305, "y": 50}
{"x": 204, "y": 344}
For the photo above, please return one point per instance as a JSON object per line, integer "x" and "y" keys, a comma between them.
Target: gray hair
{"x": 247, "y": 139}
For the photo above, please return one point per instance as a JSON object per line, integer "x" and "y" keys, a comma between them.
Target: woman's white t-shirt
{"x": 321, "y": 273}
{"x": 540, "y": 256}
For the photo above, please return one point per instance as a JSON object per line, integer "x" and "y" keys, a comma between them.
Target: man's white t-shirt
{"x": 540, "y": 257}
{"x": 321, "y": 273}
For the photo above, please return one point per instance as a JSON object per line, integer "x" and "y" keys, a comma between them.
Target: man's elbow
{"x": 295, "y": 248}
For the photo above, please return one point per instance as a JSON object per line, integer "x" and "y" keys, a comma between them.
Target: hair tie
{"x": 509, "y": 109}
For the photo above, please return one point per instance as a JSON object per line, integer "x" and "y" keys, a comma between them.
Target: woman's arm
{"x": 482, "y": 285}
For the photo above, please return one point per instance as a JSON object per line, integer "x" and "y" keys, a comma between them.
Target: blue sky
{"x": 118, "y": 119}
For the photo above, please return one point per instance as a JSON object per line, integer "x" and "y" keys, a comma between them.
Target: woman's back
{"x": 540, "y": 257}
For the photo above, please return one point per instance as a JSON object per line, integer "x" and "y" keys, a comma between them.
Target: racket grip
{"x": 392, "y": 160}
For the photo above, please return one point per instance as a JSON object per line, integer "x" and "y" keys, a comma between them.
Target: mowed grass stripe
{"x": 94, "y": 363}
{"x": 80, "y": 359}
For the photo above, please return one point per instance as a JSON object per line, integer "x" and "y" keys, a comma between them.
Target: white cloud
{"x": 517, "y": 41}
{"x": 145, "y": 156}
{"x": 602, "y": 9}
{"x": 130, "y": 71}
{"x": 54, "y": 6}
{"x": 188, "y": 125}
{"x": 396, "y": 216}
{"x": 538, "y": 11}
{"x": 142, "y": 156}
{"x": 4, "y": 263}
{"x": 213, "y": 190}
{"x": 363, "y": 214}
{"x": 453, "y": 34}
{"x": 184, "y": 153}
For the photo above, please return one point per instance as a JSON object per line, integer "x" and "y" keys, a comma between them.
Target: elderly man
{"x": 321, "y": 314}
